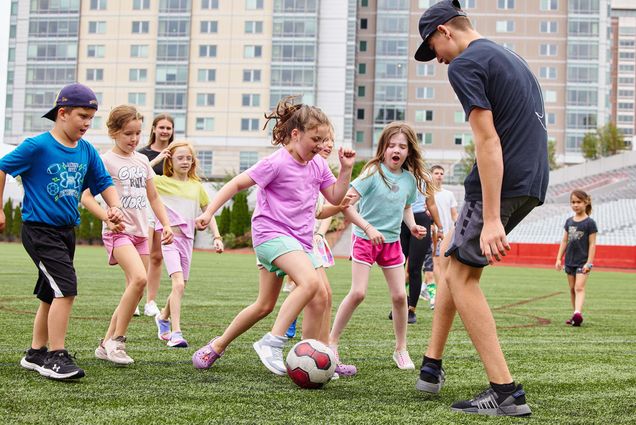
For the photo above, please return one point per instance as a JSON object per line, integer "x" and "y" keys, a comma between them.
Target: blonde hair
{"x": 119, "y": 117}
{"x": 414, "y": 160}
{"x": 289, "y": 116}
{"x": 168, "y": 168}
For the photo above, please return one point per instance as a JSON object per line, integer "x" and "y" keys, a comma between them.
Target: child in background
{"x": 127, "y": 243}
{"x": 184, "y": 197}
{"x": 289, "y": 182}
{"x": 161, "y": 135}
{"x": 386, "y": 189}
{"x": 55, "y": 168}
{"x": 579, "y": 245}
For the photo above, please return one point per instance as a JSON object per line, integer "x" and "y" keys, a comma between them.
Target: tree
{"x": 225, "y": 220}
{"x": 469, "y": 158}
{"x": 8, "y": 217}
{"x": 16, "y": 225}
{"x": 357, "y": 168}
{"x": 604, "y": 141}
{"x": 240, "y": 220}
{"x": 552, "y": 155}
{"x": 84, "y": 231}
{"x": 590, "y": 146}
{"x": 96, "y": 228}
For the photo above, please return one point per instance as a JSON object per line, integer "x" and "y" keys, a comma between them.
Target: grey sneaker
{"x": 116, "y": 351}
{"x": 431, "y": 378}
{"x": 270, "y": 351}
{"x": 100, "y": 351}
{"x": 490, "y": 403}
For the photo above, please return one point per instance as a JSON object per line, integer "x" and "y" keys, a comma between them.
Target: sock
{"x": 504, "y": 388}
{"x": 436, "y": 362}
{"x": 576, "y": 311}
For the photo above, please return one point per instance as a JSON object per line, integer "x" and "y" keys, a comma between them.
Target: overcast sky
{"x": 5, "y": 10}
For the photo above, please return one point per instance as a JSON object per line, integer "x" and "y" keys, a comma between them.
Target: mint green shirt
{"x": 381, "y": 205}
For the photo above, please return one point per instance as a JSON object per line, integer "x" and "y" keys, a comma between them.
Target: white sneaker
{"x": 116, "y": 351}
{"x": 137, "y": 313}
{"x": 100, "y": 351}
{"x": 288, "y": 287}
{"x": 151, "y": 309}
{"x": 403, "y": 360}
{"x": 270, "y": 351}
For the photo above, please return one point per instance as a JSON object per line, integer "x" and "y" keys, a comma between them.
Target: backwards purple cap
{"x": 73, "y": 95}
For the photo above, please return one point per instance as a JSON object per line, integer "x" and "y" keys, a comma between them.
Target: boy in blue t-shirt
{"x": 56, "y": 167}
{"x": 503, "y": 103}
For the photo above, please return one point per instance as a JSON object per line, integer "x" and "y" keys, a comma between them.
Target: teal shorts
{"x": 270, "y": 250}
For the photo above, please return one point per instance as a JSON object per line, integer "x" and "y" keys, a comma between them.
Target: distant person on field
{"x": 503, "y": 103}
{"x": 579, "y": 245}
{"x": 56, "y": 167}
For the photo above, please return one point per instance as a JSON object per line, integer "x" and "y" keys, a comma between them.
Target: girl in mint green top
{"x": 386, "y": 189}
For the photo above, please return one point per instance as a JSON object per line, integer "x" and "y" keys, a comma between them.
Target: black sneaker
{"x": 492, "y": 403}
{"x": 412, "y": 317}
{"x": 34, "y": 359}
{"x": 391, "y": 315}
{"x": 431, "y": 378}
{"x": 60, "y": 365}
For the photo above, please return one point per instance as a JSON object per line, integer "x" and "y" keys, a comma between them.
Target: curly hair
{"x": 289, "y": 116}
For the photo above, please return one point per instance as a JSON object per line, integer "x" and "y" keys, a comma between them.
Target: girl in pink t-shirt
{"x": 289, "y": 182}
{"x": 127, "y": 243}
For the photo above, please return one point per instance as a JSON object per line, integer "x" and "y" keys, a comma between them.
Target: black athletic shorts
{"x": 465, "y": 244}
{"x": 52, "y": 250}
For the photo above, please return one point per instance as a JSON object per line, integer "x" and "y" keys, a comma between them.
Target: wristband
{"x": 320, "y": 234}
{"x": 366, "y": 227}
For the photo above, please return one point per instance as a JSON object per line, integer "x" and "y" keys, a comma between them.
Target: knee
{"x": 138, "y": 283}
{"x": 398, "y": 299}
{"x": 156, "y": 258}
{"x": 264, "y": 309}
{"x": 357, "y": 296}
{"x": 178, "y": 288}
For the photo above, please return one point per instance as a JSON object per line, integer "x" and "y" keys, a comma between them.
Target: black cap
{"x": 73, "y": 95}
{"x": 438, "y": 14}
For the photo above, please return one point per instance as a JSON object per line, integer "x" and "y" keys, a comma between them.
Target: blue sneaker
{"x": 163, "y": 328}
{"x": 177, "y": 341}
{"x": 291, "y": 332}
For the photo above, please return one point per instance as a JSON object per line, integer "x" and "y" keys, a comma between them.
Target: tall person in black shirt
{"x": 161, "y": 135}
{"x": 503, "y": 103}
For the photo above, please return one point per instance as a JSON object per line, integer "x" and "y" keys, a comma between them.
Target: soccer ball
{"x": 310, "y": 364}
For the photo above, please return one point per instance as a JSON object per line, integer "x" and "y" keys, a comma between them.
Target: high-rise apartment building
{"x": 624, "y": 68}
{"x": 565, "y": 42}
{"x": 215, "y": 65}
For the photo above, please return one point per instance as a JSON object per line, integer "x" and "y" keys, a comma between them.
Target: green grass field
{"x": 581, "y": 375}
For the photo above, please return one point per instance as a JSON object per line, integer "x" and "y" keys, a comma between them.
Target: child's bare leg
{"x": 579, "y": 291}
{"x": 154, "y": 266}
{"x": 572, "y": 284}
{"x": 394, "y": 278}
{"x": 41, "y": 326}
{"x": 359, "y": 283}
{"x": 59, "y": 314}
{"x": 173, "y": 306}
{"x": 318, "y": 311}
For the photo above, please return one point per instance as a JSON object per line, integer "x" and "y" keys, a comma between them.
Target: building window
{"x": 364, "y": 23}
{"x": 505, "y": 4}
{"x": 206, "y": 75}
{"x": 251, "y": 99}
{"x": 205, "y": 99}
{"x": 423, "y": 115}
{"x": 209, "y": 4}
{"x": 96, "y": 27}
{"x": 505, "y": 26}
{"x": 247, "y": 159}
{"x": 138, "y": 99}
{"x": 253, "y": 4}
{"x": 139, "y": 51}
{"x": 425, "y": 70}
{"x": 549, "y": 5}
{"x": 548, "y": 72}
{"x": 253, "y": 27}
{"x": 548, "y": 27}
{"x": 362, "y": 68}
{"x": 252, "y": 51}
{"x": 359, "y": 136}
{"x": 205, "y": 162}
{"x": 364, "y": 3}
{"x": 425, "y": 138}
{"x": 548, "y": 50}
{"x": 251, "y": 75}
{"x": 207, "y": 51}
{"x": 249, "y": 124}
{"x": 550, "y": 118}
{"x": 463, "y": 139}
{"x": 549, "y": 96}
{"x": 470, "y": 4}
{"x": 205, "y": 124}
{"x": 363, "y": 46}
{"x": 459, "y": 117}
{"x": 94, "y": 74}
{"x": 95, "y": 50}
{"x": 138, "y": 74}
{"x": 171, "y": 74}
{"x": 140, "y": 27}
{"x": 360, "y": 114}
{"x": 361, "y": 91}
{"x": 209, "y": 27}
{"x": 96, "y": 123}
{"x": 98, "y": 4}
{"x": 425, "y": 93}
{"x": 141, "y": 4}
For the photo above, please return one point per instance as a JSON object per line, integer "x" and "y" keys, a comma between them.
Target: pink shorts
{"x": 114, "y": 240}
{"x": 387, "y": 255}
{"x": 177, "y": 256}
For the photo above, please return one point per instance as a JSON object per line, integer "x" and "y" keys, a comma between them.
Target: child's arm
{"x": 218, "y": 239}
{"x": 114, "y": 211}
{"x": 329, "y": 210}
{"x": 90, "y": 203}
{"x": 231, "y": 188}
{"x": 162, "y": 155}
{"x": 354, "y": 217}
{"x": 432, "y": 208}
{"x": 564, "y": 241}
{"x": 3, "y": 180}
{"x": 591, "y": 252}
{"x": 336, "y": 192}
{"x": 160, "y": 212}
{"x": 408, "y": 219}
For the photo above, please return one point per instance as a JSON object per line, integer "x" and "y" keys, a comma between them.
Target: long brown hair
{"x": 414, "y": 160}
{"x": 583, "y": 196}
{"x": 289, "y": 116}
{"x": 168, "y": 168}
{"x": 158, "y": 118}
{"x": 120, "y": 116}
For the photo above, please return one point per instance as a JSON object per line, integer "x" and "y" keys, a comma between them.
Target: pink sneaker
{"x": 403, "y": 360}
{"x": 341, "y": 368}
{"x": 577, "y": 319}
{"x": 205, "y": 356}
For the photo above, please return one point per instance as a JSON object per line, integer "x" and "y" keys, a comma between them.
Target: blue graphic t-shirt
{"x": 54, "y": 177}
{"x": 577, "y": 249}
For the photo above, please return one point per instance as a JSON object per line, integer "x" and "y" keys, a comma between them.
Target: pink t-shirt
{"x": 286, "y": 199}
{"x": 130, "y": 174}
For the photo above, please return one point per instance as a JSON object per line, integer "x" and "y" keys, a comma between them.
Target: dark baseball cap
{"x": 73, "y": 95}
{"x": 438, "y": 14}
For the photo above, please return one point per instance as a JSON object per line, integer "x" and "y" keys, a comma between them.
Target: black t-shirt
{"x": 152, "y": 154}
{"x": 578, "y": 245}
{"x": 489, "y": 76}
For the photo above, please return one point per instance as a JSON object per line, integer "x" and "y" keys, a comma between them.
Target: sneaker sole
{"x": 180, "y": 344}
{"x": 48, "y": 373}
{"x": 272, "y": 369}
{"x": 428, "y": 387}
{"x": 523, "y": 410}
{"x": 30, "y": 366}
